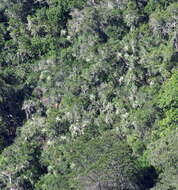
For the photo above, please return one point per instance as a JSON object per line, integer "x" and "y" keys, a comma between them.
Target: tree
{"x": 105, "y": 162}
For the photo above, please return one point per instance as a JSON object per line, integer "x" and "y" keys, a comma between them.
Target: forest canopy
{"x": 88, "y": 95}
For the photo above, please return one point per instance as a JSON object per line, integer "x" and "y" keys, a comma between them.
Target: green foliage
{"x": 88, "y": 94}
{"x": 168, "y": 95}
{"x": 167, "y": 102}
{"x": 163, "y": 155}
{"x": 97, "y": 161}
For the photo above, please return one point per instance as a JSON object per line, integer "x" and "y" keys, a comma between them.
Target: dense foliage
{"x": 88, "y": 94}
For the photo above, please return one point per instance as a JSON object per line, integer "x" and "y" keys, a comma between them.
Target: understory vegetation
{"x": 88, "y": 95}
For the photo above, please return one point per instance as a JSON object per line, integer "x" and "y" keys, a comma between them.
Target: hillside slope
{"x": 88, "y": 94}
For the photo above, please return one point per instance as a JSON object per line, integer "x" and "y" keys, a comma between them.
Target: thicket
{"x": 88, "y": 94}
